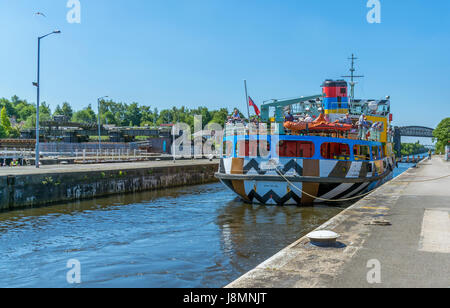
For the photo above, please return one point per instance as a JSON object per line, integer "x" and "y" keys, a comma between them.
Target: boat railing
{"x": 367, "y": 134}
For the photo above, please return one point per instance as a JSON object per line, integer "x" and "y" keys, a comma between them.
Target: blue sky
{"x": 198, "y": 52}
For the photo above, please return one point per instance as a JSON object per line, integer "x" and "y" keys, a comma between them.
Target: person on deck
{"x": 346, "y": 119}
{"x": 309, "y": 119}
{"x": 289, "y": 117}
{"x": 236, "y": 117}
{"x": 362, "y": 127}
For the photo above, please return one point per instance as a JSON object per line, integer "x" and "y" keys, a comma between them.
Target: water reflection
{"x": 252, "y": 233}
{"x": 187, "y": 237}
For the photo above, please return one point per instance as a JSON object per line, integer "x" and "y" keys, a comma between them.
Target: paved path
{"x": 29, "y": 170}
{"x": 414, "y": 251}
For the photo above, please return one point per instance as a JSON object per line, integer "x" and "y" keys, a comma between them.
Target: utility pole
{"x": 246, "y": 100}
{"x": 173, "y": 145}
{"x": 99, "y": 123}
{"x": 352, "y": 77}
{"x": 37, "y": 84}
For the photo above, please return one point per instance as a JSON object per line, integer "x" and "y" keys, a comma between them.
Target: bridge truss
{"x": 411, "y": 131}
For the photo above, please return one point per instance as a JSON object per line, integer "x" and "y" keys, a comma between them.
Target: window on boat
{"x": 334, "y": 150}
{"x": 383, "y": 152}
{"x": 227, "y": 149}
{"x": 263, "y": 148}
{"x": 361, "y": 152}
{"x": 247, "y": 148}
{"x": 376, "y": 153}
{"x": 300, "y": 149}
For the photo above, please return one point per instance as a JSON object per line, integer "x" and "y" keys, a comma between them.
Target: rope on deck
{"x": 318, "y": 198}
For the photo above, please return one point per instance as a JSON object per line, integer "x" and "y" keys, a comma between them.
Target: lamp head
{"x": 57, "y": 32}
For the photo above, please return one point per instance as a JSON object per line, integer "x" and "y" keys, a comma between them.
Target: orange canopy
{"x": 319, "y": 124}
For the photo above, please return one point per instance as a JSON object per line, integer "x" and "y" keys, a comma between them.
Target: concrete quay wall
{"x": 27, "y": 187}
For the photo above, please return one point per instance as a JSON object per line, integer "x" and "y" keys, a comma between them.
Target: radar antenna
{"x": 352, "y": 77}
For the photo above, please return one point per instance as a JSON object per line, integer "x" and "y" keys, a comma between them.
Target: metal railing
{"x": 115, "y": 155}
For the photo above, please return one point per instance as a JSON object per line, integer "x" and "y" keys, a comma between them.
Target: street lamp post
{"x": 38, "y": 84}
{"x": 99, "y": 125}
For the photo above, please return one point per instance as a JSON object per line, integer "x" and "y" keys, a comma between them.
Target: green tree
{"x": 25, "y": 110}
{"x": 65, "y": 110}
{"x": 112, "y": 112}
{"x": 11, "y": 111}
{"x": 147, "y": 116}
{"x": 108, "y": 118}
{"x": 413, "y": 149}
{"x": 3, "y": 133}
{"x": 44, "y": 108}
{"x": 87, "y": 115}
{"x": 442, "y": 135}
{"x": 44, "y": 116}
{"x": 220, "y": 116}
{"x": 133, "y": 115}
{"x": 4, "y": 121}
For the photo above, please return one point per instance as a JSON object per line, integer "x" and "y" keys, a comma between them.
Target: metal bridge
{"x": 410, "y": 131}
{"x": 415, "y": 131}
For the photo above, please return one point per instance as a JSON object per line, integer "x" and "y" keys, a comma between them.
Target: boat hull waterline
{"x": 297, "y": 181}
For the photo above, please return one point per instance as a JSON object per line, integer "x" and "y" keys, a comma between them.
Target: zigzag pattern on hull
{"x": 278, "y": 192}
{"x": 341, "y": 191}
{"x": 291, "y": 165}
{"x": 253, "y": 164}
{"x": 282, "y": 200}
{"x": 271, "y": 195}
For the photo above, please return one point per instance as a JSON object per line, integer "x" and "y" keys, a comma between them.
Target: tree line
{"x": 17, "y": 114}
{"x": 442, "y": 135}
{"x": 413, "y": 149}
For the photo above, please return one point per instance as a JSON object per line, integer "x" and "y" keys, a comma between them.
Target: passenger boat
{"x": 304, "y": 162}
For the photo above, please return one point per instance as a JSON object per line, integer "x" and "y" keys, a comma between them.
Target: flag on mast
{"x": 252, "y": 103}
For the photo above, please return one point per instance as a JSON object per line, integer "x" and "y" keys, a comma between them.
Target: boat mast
{"x": 352, "y": 77}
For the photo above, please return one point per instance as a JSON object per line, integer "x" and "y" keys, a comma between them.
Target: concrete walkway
{"x": 51, "y": 169}
{"x": 414, "y": 251}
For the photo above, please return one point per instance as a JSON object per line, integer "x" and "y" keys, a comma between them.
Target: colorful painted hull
{"x": 325, "y": 179}
{"x": 303, "y": 181}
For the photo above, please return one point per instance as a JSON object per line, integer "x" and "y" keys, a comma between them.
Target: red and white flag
{"x": 252, "y": 103}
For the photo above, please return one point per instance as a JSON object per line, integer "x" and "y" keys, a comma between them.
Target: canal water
{"x": 189, "y": 237}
